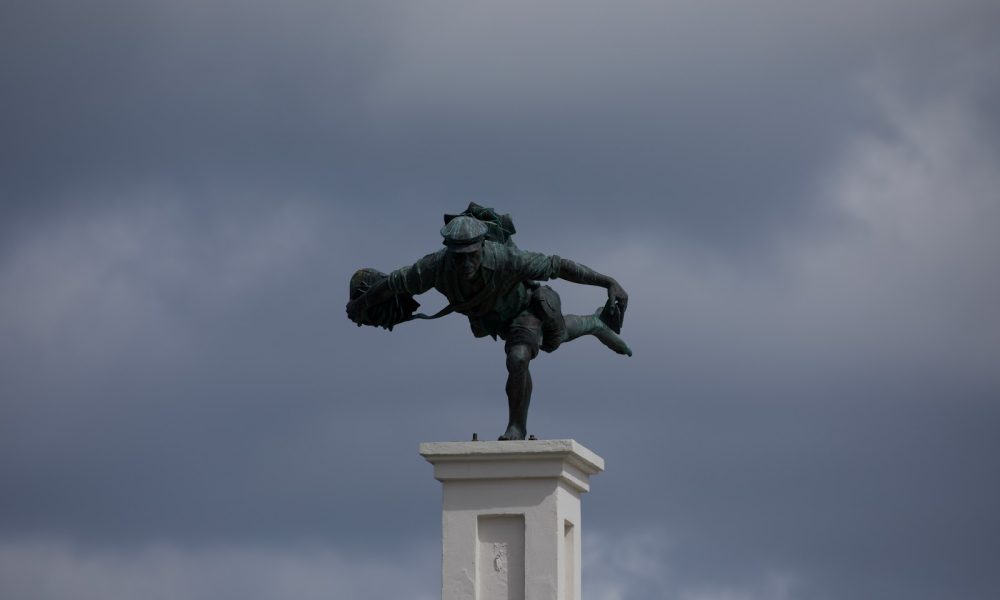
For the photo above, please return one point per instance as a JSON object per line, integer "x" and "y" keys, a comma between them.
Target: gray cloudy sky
{"x": 801, "y": 198}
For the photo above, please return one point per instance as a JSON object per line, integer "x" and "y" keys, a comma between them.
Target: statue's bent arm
{"x": 577, "y": 273}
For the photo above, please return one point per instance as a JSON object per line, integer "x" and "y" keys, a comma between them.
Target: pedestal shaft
{"x": 511, "y": 517}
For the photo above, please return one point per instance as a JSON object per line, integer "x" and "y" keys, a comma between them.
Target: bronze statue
{"x": 487, "y": 278}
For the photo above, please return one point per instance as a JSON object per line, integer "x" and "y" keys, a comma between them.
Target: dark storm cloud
{"x": 108, "y": 95}
{"x": 800, "y": 198}
{"x": 721, "y": 114}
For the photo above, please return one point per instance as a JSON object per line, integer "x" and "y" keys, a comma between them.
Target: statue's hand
{"x": 618, "y": 296}
{"x": 356, "y": 310}
{"x": 613, "y": 313}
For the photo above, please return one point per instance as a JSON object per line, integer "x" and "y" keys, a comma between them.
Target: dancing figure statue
{"x": 487, "y": 278}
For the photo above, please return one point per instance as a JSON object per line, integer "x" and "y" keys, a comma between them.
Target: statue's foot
{"x": 610, "y": 338}
{"x": 513, "y": 433}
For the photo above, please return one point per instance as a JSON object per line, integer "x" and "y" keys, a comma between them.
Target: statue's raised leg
{"x": 578, "y": 325}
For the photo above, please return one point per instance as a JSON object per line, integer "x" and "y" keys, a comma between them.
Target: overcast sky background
{"x": 801, "y": 198}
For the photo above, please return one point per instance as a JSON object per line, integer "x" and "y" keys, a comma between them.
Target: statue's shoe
{"x": 608, "y": 337}
{"x": 512, "y": 433}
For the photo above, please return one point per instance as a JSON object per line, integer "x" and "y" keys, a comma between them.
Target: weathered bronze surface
{"x": 487, "y": 278}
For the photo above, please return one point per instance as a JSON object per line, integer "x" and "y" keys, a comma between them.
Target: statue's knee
{"x": 518, "y": 358}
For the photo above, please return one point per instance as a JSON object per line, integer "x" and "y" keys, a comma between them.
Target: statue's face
{"x": 468, "y": 263}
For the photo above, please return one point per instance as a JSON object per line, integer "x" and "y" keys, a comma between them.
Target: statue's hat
{"x": 464, "y": 234}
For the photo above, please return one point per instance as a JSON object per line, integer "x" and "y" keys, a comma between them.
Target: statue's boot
{"x": 577, "y": 325}
{"x": 514, "y": 432}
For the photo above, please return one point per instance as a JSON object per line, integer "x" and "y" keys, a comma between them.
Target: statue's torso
{"x": 501, "y": 296}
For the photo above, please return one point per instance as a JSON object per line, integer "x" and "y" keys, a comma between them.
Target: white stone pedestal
{"x": 511, "y": 525}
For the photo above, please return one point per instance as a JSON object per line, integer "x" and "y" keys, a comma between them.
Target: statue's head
{"x": 464, "y": 238}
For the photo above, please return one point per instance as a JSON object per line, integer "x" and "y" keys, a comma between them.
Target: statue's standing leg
{"x": 523, "y": 337}
{"x": 518, "y": 391}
